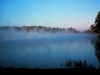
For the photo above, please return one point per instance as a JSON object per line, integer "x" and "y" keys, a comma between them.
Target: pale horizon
{"x": 78, "y": 14}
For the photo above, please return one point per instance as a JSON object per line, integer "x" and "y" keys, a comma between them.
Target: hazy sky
{"x": 79, "y": 14}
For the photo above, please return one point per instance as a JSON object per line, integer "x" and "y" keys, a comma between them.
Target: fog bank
{"x": 12, "y": 35}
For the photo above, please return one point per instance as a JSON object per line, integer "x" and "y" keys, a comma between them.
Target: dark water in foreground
{"x": 50, "y": 52}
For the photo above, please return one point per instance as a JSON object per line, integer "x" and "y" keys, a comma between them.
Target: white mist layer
{"x": 45, "y": 50}
{"x": 12, "y": 35}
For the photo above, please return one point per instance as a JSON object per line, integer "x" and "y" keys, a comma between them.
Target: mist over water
{"x": 45, "y": 50}
{"x": 20, "y": 35}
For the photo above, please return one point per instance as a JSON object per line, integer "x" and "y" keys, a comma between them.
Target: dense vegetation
{"x": 39, "y": 29}
{"x": 95, "y": 28}
{"x": 42, "y": 29}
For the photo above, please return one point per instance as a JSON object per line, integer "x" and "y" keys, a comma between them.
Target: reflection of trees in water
{"x": 97, "y": 49}
{"x": 83, "y": 64}
{"x": 96, "y": 45}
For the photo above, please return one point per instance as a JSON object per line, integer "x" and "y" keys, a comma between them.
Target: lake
{"x": 51, "y": 51}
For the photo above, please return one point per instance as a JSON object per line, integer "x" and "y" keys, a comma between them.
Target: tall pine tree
{"x": 97, "y": 24}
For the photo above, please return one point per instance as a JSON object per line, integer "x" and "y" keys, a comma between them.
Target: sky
{"x": 79, "y": 14}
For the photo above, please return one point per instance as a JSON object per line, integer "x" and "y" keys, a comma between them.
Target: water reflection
{"x": 51, "y": 52}
{"x": 82, "y": 64}
{"x": 96, "y": 44}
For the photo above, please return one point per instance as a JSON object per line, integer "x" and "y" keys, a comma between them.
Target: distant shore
{"x": 42, "y": 29}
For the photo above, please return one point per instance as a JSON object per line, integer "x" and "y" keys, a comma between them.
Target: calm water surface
{"x": 50, "y": 52}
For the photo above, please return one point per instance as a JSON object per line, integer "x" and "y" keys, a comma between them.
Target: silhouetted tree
{"x": 97, "y": 24}
{"x": 92, "y": 28}
{"x": 87, "y": 31}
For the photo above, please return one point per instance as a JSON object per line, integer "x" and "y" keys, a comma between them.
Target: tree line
{"x": 39, "y": 29}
